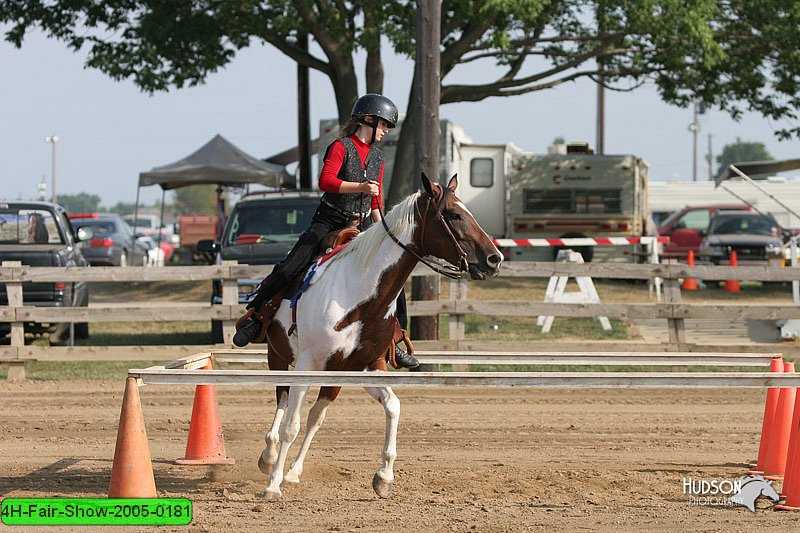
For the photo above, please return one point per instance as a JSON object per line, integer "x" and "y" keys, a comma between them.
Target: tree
{"x": 740, "y": 152}
{"x": 82, "y": 202}
{"x": 732, "y": 54}
{"x": 196, "y": 200}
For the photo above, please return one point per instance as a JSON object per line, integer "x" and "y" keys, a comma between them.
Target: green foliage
{"x": 740, "y": 152}
{"x": 196, "y": 200}
{"x": 79, "y": 203}
{"x": 730, "y": 54}
{"x": 123, "y": 208}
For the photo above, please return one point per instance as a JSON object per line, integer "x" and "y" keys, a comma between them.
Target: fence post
{"x": 675, "y": 326}
{"x": 458, "y": 291}
{"x": 16, "y": 369}
{"x": 230, "y": 296}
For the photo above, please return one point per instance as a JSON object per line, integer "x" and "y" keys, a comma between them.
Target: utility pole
{"x": 694, "y": 127}
{"x": 427, "y": 80}
{"x": 710, "y": 159}
{"x": 303, "y": 119}
{"x": 52, "y": 140}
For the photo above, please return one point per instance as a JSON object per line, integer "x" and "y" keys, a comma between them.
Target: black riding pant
{"x": 325, "y": 220}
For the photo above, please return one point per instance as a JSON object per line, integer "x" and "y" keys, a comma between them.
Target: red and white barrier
{"x": 581, "y": 241}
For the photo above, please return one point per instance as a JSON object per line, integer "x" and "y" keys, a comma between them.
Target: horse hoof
{"x": 271, "y": 496}
{"x": 265, "y": 467}
{"x": 381, "y": 487}
{"x": 291, "y": 477}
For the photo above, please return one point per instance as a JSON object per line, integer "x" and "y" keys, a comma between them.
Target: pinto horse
{"x": 345, "y": 318}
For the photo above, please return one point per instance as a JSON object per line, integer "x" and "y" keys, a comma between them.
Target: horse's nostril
{"x": 494, "y": 259}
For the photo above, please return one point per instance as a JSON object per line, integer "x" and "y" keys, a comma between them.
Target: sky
{"x": 110, "y": 131}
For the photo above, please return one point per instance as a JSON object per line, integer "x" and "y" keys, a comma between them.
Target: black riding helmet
{"x": 375, "y": 105}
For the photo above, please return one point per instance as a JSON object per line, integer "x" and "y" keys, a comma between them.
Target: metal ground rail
{"x": 187, "y": 370}
{"x": 545, "y": 358}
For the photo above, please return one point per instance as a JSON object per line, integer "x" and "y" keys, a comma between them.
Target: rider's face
{"x": 383, "y": 127}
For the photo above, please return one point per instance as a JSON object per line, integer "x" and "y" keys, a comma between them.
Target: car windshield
{"x": 28, "y": 226}
{"x": 261, "y": 223}
{"x": 744, "y": 225}
{"x": 99, "y": 227}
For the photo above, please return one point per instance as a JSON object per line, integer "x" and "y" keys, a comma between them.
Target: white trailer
{"x": 668, "y": 197}
{"x": 522, "y": 195}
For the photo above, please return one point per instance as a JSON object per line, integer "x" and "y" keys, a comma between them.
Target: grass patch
{"x": 78, "y": 370}
{"x": 486, "y": 327}
{"x": 147, "y": 333}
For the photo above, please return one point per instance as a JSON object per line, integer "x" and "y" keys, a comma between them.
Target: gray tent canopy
{"x": 218, "y": 162}
{"x": 755, "y": 168}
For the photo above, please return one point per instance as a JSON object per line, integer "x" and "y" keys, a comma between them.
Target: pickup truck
{"x": 261, "y": 230}
{"x": 40, "y": 234}
{"x": 684, "y": 228}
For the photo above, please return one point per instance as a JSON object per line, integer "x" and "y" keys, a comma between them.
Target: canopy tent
{"x": 219, "y": 163}
{"x": 756, "y": 168}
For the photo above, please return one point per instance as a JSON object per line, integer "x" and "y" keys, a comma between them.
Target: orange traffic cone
{"x": 732, "y": 285}
{"x": 792, "y": 458}
{"x": 132, "y": 471}
{"x": 689, "y": 284}
{"x": 775, "y": 466}
{"x": 776, "y": 365}
{"x": 205, "y": 445}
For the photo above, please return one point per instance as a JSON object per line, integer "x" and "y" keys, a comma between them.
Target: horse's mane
{"x": 400, "y": 220}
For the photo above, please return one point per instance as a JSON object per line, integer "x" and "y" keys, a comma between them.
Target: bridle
{"x": 449, "y": 271}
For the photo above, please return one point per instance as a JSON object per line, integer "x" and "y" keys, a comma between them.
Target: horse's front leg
{"x": 270, "y": 453}
{"x": 316, "y": 416}
{"x": 383, "y": 478}
{"x": 288, "y": 432}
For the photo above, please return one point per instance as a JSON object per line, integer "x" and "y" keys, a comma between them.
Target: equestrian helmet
{"x": 375, "y": 105}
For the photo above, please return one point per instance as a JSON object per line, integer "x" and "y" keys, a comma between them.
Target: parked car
{"x": 261, "y": 230}
{"x": 683, "y": 228}
{"x": 150, "y": 226}
{"x": 40, "y": 234}
{"x": 113, "y": 243}
{"x": 756, "y": 238}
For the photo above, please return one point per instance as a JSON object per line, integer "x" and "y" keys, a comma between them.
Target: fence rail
{"x": 456, "y": 307}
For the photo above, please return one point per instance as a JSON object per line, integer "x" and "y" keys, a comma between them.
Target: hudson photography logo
{"x": 726, "y": 493}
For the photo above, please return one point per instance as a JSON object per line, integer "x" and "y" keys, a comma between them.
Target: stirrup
{"x": 263, "y": 314}
{"x": 400, "y": 335}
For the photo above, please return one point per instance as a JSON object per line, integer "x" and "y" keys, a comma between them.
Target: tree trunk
{"x": 403, "y": 180}
{"x": 345, "y": 86}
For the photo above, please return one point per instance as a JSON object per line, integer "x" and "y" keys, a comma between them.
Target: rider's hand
{"x": 370, "y": 187}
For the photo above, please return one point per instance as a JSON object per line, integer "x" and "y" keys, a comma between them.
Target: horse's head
{"x": 451, "y": 233}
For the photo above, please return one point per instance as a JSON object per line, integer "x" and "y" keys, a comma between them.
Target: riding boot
{"x": 252, "y": 327}
{"x": 404, "y": 359}
{"x": 398, "y": 357}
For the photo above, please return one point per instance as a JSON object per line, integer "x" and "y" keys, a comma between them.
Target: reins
{"x": 448, "y": 271}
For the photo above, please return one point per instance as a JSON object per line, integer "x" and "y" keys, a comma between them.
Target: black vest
{"x": 355, "y": 204}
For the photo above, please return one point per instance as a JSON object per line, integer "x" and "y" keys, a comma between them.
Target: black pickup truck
{"x": 40, "y": 234}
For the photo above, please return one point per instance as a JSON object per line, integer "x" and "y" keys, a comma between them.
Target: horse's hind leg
{"x": 316, "y": 416}
{"x": 288, "y": 433}
{"x": 383, "y": 478}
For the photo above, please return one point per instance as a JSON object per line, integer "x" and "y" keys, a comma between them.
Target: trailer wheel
{"x": 586, "y": 251}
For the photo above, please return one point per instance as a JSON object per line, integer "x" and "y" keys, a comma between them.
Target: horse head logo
{"x": 751, "y": 488}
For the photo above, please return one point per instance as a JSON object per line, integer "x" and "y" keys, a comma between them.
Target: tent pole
{"x": 136, "y": 212}
{"x": 161, "y": 216}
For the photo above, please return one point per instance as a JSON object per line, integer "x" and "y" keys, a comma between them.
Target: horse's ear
{"x": 453, "y": 183}
{"x": 426, "y": 184}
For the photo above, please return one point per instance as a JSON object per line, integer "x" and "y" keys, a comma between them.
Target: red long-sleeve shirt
{"x": 329, "y": 175}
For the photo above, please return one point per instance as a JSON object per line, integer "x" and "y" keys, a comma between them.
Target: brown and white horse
{"x": 345, "y": 318}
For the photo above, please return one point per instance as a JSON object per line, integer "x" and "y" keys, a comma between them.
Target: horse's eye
{"x": 452, "y": 216}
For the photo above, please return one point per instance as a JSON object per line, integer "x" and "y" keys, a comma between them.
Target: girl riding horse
{"x": 352, "y": 176}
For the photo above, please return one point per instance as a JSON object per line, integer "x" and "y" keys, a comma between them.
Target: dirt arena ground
{"x": 469, "y": 460}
